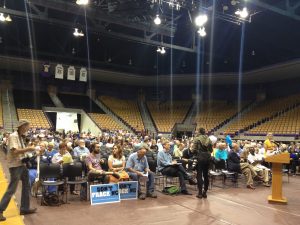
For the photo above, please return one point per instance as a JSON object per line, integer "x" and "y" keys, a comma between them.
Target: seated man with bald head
{"x": 137, "y": 167}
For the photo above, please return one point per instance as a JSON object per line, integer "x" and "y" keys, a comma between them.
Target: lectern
{"x": 277, "y": 161}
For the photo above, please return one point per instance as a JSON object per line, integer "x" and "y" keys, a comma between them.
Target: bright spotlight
{"x": 82, "y": 2}
{"x": 2, "y": 18}
{"x": 202, "y": 32}
{"x": 161, "y": 50}
{"x": 201, "y": 20}
{"x": 8, "y": 18}
{"x": 157, "y": 20}
{"x": 242, "y": 13}
{"x": 78, "y": 34}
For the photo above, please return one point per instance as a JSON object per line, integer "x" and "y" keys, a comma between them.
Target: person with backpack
{"x": 18, "y": 170}
{"x": 202, "y": 149}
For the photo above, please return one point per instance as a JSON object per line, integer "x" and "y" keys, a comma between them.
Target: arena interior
{"x": 145, "y": 77}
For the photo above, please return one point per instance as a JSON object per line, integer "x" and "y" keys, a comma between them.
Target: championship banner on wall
{"x": 83, "y": 75}
{"x": 128, "y": 190}
{"x": 59, "y": 72}
{"x": 104, "y": 193}
{"x": 46, "y": 70}
{"x": 71, "y": 73}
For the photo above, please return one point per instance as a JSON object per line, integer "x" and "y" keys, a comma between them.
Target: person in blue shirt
{"x": 81, "y": 151}
{"x": 221, "y": 156}
{"x": 171, "y": 168}
{"x": 221, "y": 152}
{"x": 138, "y": 168}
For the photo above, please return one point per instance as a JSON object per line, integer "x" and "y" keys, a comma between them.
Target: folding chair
{"x": 75, "y": 171}
{"x": 53, "y": 172}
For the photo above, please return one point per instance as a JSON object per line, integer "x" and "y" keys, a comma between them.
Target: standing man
{"x": 202, "y": 148}
{"x": 17, "y": 170}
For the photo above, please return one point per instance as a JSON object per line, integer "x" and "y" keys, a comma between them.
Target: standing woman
{"x": 116, "y": 163}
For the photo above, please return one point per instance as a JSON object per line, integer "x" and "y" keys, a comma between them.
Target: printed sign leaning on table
{"x": 128, "y": 190}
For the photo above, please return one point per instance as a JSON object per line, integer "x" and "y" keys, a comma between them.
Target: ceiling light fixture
{"x": 242, "y": 13}
{"x": 161, "y": 50}
{"x": 82, "y": 2}
{"x": 2, "y": 18}
{"x": 78, "y": 34}
{"x": 202, "y": 32}
{"x": 8, "y": 18}
{"x": 157, "y": 20}
{"x": 201, "y": 20}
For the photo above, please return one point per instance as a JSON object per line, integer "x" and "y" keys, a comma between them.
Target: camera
{"x": 194, "y": 163}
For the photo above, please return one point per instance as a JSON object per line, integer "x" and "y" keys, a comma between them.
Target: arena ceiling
{"x": 120, "y": 34}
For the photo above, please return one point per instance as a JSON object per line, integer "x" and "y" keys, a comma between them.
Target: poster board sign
{"x": 128, "y": 190}
{"x": 104, "y": 193}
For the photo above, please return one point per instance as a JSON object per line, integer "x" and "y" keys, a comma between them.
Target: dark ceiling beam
{"x": 289, "y": 11}
{"x": 96, "y": 28}
{"x": 101, "y": 15}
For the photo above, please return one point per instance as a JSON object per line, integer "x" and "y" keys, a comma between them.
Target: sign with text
{"x": 104, "y": 193}
{"x": 128, "y": 190}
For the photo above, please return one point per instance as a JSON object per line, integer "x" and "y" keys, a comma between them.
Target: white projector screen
{"x": 67, "y": 121}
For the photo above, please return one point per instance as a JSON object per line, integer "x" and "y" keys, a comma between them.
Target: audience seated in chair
{"x": 138, "y": 168}
{"x": 171, "y": 168}
{"x": 255, "y": 160}
{"x": 235, "y": 165}
{"x": 93, "y": 161}
{"x": 116, "y": 163}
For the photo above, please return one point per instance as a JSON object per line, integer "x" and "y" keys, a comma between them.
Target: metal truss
{"x": 287, "y": 8}
{"x": 100, "y": 20}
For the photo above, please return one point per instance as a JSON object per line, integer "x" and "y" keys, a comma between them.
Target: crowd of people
{"x": 114, "y": 156}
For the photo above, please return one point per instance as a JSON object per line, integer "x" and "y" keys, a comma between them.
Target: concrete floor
{"x": 223, "y": 206}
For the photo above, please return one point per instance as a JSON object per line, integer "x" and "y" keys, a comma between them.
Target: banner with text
{"x": 71, "y": 73}
{"x": 59, "y": 72}
{"x": 128, "y": 190}
{"x": 83, "y": 75}
{"x": 104, "y": 193}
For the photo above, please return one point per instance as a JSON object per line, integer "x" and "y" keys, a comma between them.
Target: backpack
{"x": 171, "y": 190}
{"x": 51, "y": 199}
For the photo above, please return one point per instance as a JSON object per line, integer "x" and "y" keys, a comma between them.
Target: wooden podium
{"x": 277, "y": 161}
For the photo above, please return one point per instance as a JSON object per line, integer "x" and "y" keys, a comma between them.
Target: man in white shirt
{"x": 255, "y": 159}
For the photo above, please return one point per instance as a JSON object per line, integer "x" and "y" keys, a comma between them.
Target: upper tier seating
{"x": 36, "y": 117}
{"x": 164, "y": 118}
{"x": 262, "y": 112}
{"x": 218, "y": 113}
{"x": 126, "y": 109}
{"x": 105, "y": 121}
{"x": 285, "y": 124}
